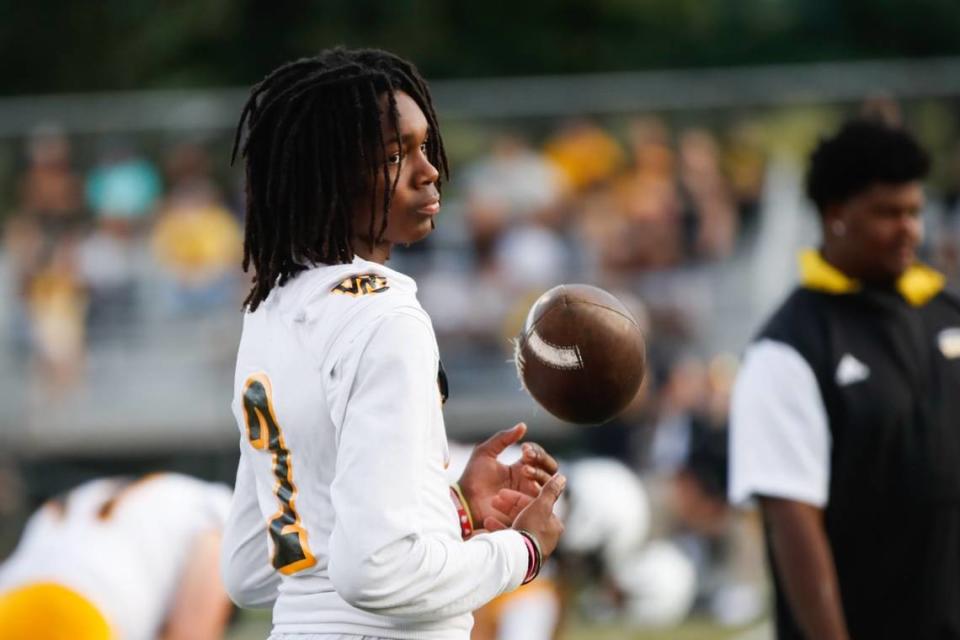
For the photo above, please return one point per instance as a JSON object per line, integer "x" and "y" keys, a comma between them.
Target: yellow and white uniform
{"x": 105, "y": 561}
{"x": 342, "y": 517}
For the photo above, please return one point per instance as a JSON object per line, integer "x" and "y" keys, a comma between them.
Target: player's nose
{"x": 428, "y": 173}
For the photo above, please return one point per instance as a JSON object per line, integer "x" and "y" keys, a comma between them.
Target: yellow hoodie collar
{"x": 917, "y": 285}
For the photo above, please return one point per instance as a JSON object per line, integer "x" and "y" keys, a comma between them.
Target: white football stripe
{"x": 553, "y": 355}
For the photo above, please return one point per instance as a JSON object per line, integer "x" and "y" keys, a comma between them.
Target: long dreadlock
{"x": 313, "y": 145}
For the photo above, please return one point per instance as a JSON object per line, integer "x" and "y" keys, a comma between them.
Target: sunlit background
{"x": 655, "y": 148}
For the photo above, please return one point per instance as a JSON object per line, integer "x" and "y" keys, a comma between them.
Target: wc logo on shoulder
{"x": 362, "y": 285}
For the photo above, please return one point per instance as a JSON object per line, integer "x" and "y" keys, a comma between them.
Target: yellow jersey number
{"x": 291, "y": 553}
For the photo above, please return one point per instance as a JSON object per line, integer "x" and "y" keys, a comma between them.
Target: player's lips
{"x": 430, "y": 207}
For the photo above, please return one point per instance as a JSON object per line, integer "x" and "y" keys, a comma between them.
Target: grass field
{"x": 255, "y": 625}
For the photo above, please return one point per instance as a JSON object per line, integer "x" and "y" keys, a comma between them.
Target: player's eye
{"x": 423, "y": 148}
{"x": 393, "y": 158}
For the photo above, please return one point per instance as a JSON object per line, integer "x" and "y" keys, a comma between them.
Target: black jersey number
{"x": 291, "y": 553}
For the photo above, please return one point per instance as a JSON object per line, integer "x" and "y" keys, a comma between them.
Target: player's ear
{"x": 832, "y": 216}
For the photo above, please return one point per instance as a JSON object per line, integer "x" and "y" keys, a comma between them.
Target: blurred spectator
{"x": 187, "y": 169}
{"x": 512, "y": 185}
{"x": 122, "y": 191}
{"x": 532, "y": 258}
{"x": 41, "y": 242}
{"x": 199, "y": 244}
{"x": 711, "y": 219}
{"x": 50, "y": 206}
{"x": 50, "y": 192}
{"x": 648, "y": 233}
{"x": 585, "y": 153}
{"x": 56, "y": 306}
{"x": 745, "y": 162}
{"x": 124, "y": 186}
{"x": 107, "y": 263}
{"x": 514, "y": 181}
{"x": 196, "y": 239}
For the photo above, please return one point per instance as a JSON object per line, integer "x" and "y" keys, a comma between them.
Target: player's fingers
{"x": 537, "y": 475}
{"x": 552, "y": 490}
{"x": 510, "y": 502}
{"x": 536, "y": 455}
{"x": 492, "y": 524}
{"x": 499, "y": 441}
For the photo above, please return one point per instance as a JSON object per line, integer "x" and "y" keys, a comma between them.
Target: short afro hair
{"x": 863, "y": 153}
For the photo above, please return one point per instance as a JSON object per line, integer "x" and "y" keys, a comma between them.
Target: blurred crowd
{"x": 92, "y": 249}
{"x": 587, "y": 205}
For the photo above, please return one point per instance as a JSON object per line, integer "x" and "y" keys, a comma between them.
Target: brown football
{"x": 581, "y": 354}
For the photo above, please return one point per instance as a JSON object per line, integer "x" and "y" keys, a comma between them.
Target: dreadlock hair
{"x": 313, "y": 145}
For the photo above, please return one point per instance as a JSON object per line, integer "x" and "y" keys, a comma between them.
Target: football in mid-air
{"x": 581, "y": 354}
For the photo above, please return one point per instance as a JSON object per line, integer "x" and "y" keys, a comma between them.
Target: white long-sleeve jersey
{"x": 342, "y": 517}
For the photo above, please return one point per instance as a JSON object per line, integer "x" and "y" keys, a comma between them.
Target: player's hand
{"x": 538, "y": 517}
{"x": 485, "y": 477}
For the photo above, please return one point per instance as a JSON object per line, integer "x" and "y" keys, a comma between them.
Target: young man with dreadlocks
{"x": 342, "y": 517}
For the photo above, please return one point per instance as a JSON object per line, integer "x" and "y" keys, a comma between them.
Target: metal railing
{"x": 518, "y": 97}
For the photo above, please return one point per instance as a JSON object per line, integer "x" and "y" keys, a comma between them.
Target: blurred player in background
{"x": 342, "y": 516}
{"x": 118, "y": 558}
{"x": 846, "y": 413}
{"x": 606, "y": 556}
{"x": 638, "y": 581}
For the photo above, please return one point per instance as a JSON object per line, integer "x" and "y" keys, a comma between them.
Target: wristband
{"x": 535, "y": 562}
{"x": 463, "y": 511}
